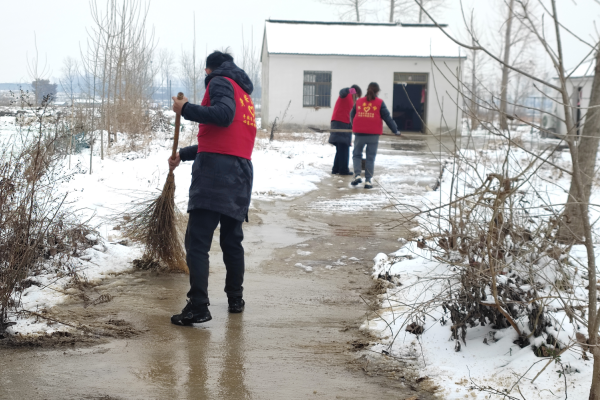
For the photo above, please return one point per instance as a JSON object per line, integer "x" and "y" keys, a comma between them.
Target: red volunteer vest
{"x": 238, "y": 138}
{"x": 368, "y": 117}
{"x": 341, "y": 111}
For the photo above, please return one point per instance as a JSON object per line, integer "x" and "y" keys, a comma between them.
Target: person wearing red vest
{"x": 341, "y": 120}
{"x": 221, "y": 186}
{"x": 368, "y": 115}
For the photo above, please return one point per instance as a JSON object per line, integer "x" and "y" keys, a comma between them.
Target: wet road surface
{"x": 290, "y": 343}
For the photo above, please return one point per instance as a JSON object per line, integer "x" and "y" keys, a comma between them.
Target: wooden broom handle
{"x": 177, "y": 125}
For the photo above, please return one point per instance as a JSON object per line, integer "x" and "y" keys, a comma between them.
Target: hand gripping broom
{"x": 154, "y": 223}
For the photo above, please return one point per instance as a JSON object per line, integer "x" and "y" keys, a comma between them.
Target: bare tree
{"x": 36, "y": 70}
{"x": 69, "y": 77}
{"x": 434, "y": 7}
{"x": 353, "y": 10}
{"x": 582, "y": 160}
{"x": 39, "y": 76}
{"x": 409, "y": 11}
{"x": 190, "y": 70}
{"x": 475, "y": 62}
{"x": 572, "y": 228}
{"x": 399, "y": 8}
{"x": 190, "y": 73}
{"x": 251, "y": 64}
{"x": 119, "y": 58}
{"x": 506, "y": 61}
{"x": 166, "y": 60}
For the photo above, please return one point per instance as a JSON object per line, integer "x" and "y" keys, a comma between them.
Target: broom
{"x": 154, "y": 222}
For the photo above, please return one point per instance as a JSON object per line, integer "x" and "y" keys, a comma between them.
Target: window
{"x": 400, "y": 77}
{"x": 317, "y": 89}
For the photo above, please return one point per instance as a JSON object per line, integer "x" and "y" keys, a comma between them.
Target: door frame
{"x": 414, "y": 78}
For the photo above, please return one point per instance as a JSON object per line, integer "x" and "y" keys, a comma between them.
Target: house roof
{"x": 358, "y": 39}
{"x": 586, "y": 69}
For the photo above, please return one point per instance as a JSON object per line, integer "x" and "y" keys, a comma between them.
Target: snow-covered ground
{"x": 289, "y": 168}
{"x": 489, "y": 359}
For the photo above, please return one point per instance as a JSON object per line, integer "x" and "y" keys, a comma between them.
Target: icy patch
{"x": 306, "y": 268}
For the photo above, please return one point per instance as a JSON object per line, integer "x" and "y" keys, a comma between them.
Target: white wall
{"x": 264, "y": 101}
{"x": 285, "y": 76}
{"x": 572, "y": 85}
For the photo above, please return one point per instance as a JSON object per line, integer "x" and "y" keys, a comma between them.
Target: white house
{"x": 305, "y": 64}
{"x": 579, "y": 86}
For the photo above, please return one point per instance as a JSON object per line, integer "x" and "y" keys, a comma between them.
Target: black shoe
{"x": 368, "y": 184}
{"x": 192, "y": 314}
{"x": 347, "y": 173}
{"x": 356, "y": 180}
{"x": 236, "y": 305}
{"x": 334, "y": 172}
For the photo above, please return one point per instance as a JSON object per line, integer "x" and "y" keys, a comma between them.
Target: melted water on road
{"x": 290, "y": 343}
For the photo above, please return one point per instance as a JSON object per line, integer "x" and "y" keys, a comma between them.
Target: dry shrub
{"x": 38, "y": 234}
{"x": 506, "y": 260}
{"x": 133, "y": 120}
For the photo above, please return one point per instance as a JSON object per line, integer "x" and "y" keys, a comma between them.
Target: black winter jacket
{"x": 341, "y": 137}
{"x": 385, "y": 116}
{"x": 220, "y": 182}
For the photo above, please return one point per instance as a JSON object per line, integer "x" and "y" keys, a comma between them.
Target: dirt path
{"x": 292, "y": 341}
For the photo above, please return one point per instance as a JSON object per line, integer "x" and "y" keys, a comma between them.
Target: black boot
{"x": 236, "y": 305}
{"x": 192, "y": 314}
{"x": 356, "y": 180}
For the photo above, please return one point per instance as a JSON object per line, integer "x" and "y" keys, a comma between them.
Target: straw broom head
{"x": 154, "y": 223}
{"x": 163, "y": 240}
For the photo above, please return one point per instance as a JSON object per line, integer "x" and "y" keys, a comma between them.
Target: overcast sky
{"x": 60, "y": 25}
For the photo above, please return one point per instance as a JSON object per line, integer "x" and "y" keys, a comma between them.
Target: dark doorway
{"x": 410, "y": 95}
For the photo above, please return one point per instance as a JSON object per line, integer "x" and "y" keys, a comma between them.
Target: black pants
{"x": 198, "y": 238}
{"x": 342, "y": 156}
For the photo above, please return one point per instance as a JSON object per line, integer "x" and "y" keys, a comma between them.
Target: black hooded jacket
{"x": 220, "y": 182}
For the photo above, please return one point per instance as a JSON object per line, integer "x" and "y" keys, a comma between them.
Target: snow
{"x": 49, "y": 290}
{"x": 287, "y": 169}
{"x": 586, "y": 69}
{"x": 306, "y": 268}
{"x": 417, "y": 277}
{"x": 495, "y": 363}
{"x": 289, "y": 37}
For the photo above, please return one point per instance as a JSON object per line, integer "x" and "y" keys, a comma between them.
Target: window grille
{"x": 400, "y": 77}
{"x": 317, "y": 89}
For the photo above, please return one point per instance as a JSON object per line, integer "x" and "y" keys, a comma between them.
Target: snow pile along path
{"x": 414, "y": 325}
{"x": 489, "y": 357}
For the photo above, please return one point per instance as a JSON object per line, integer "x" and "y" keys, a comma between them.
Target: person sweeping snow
{"x": 340, "y": 119}
{"x": 221, "y": 186}
{"x": 367, "y": 116}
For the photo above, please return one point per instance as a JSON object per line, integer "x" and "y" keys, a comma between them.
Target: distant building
{"x": 305, "y": 64}
{"x": 579, "y": 86}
